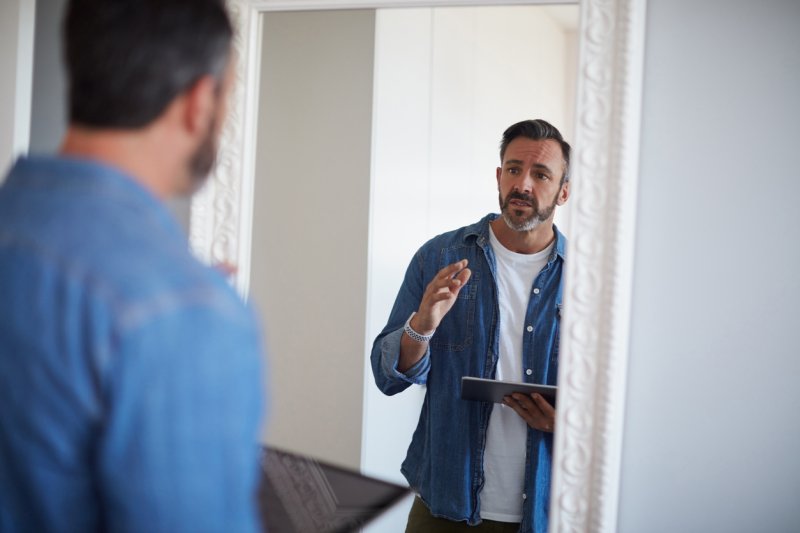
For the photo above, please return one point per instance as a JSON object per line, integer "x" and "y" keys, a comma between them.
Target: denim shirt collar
{"x": 480, "y": 231}
{"x": 92, "y": 176}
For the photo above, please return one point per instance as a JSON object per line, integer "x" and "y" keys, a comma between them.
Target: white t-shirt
{"x": 504, "y": 457}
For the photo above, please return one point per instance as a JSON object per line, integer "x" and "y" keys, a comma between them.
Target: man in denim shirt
{"x": 484, "y": 300}
{"x": 130, "y": 373}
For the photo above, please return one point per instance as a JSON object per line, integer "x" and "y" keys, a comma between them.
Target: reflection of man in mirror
{"x": 130, "y": 373}
{"x": 484, "y": 300}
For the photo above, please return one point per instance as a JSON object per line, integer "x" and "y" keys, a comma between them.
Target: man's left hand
{"x": 534, "y": 410}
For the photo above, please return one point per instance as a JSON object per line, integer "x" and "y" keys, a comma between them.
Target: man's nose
{"x": 524, "y": 184}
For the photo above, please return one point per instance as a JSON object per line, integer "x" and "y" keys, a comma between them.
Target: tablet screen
{"x": 299, "y": 494}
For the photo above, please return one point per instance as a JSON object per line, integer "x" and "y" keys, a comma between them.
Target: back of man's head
{"x": 126, "y": 60}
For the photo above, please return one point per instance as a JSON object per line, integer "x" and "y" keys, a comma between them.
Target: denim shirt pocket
{"x": 456, "y": 331}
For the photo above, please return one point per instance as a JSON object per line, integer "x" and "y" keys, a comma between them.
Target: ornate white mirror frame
{"x": 594, "y": 345}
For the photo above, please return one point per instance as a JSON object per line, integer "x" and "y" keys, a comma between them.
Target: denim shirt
{"x": 444, "y": 464}
{"x": 130, "y": 373}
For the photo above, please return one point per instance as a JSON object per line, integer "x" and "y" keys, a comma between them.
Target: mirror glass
{"x": 378, "y": 129}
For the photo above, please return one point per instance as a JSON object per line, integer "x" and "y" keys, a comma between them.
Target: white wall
{"x": 712, "y": 430}
{"x": 16, "y": 64}
{"x": 493, "y": 66}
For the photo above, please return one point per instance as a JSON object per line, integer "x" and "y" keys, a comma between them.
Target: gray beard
{"x": 530, "y": 223}
{"x": 202, "y": 162}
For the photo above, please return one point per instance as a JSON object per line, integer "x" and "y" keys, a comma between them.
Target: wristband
{"x": 413, "y": 334}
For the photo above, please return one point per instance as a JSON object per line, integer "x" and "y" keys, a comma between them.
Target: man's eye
{"x": 543, "y": 177}
{"x": 513, "y": 171}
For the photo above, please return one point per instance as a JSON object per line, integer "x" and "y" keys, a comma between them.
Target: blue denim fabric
{"x": 130, "y": 374}
{"x": 445, "y": 459}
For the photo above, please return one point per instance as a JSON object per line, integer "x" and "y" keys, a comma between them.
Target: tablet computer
{"x": 492, "y": 390}
{"x": 300, "y": 494}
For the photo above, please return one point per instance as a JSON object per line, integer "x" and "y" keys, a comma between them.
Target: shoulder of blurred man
{"x": 90, "y": 222}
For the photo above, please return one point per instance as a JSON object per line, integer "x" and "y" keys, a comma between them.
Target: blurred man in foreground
{"x": 130, "y": 373}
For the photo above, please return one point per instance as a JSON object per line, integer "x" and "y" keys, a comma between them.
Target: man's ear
{"x": 499, "y": 173}
{"x": 563, "y": 194}
{"x": 199, "y": 105}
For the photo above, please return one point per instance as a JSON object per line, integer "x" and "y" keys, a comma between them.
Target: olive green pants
{"x": 420, "y": 520}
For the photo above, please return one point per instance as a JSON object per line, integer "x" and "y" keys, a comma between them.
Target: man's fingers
{"x": 460, "y": 280}
{"x": 452, "y": 269}
{"x": 530, "y": 409}
{"x": 543, "y": 405}
{"x": 527, "y": 403}
{"x": 440, "y": 294}
{"x": 226, "y": 268}
{"x": 464, "y": 276}
{"x": 451, "y": 280}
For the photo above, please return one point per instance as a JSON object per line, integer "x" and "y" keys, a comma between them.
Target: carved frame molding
{"x": 595, "y": 327}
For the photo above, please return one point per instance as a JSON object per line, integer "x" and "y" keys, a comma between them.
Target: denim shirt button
{"x": 529, "y": 371}
{"x": 536, "y": 290}
{"x": 529, "y": 328}
{"x": 524, "y": 496}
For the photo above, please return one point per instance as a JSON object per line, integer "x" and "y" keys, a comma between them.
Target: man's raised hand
{"x": 440, "y": 296}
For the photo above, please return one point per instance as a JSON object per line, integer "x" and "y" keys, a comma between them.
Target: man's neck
{"x": 524, "y": 242}
{"x": 132, "y": 152}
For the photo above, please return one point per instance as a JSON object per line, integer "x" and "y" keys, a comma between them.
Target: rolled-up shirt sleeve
{"x": 390, "y": 356}
{"x": 386, "y": 348}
